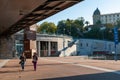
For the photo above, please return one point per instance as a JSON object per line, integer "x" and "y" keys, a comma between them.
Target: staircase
{"x": 68, "y": 51}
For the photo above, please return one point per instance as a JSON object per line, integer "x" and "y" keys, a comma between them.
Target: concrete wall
{"x": 88, "y": 46}
{"x": 7, "y": 47}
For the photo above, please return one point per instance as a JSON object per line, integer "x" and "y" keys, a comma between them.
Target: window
{"x": 109, "y": 46}
{"x": 117, "y": 15}
{"x": 81, "y": 44}
{"x": 87, "y": 44}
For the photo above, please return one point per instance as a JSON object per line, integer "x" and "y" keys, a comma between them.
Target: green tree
{"x": 46, "y": 27}
{"x": 61, "y": 27}
{"x": 109, "y": 35}
{"x": 73, "y": 28}
{"x": 78, "y": 27}
{"x": 94, "y": 33}
{"x": 110, "y": 26}
{"x": 69, "y": 26}
{"x": 87, "y": 23}
{"x": 118, "y": 25}
{"x": 87, "y": 26}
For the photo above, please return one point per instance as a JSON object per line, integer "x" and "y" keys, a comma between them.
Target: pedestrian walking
{"x": 34, "y": 61}
{"x": 22, "y": 61}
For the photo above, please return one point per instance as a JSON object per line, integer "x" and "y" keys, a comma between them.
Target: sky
{"x": 85, "y": 9}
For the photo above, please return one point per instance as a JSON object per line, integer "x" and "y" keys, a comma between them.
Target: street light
{"x": 103, "y": 31}
{"x": 64, "y": 41}
{"x": 69, "y": 21}
{"x": 103, "y": 36}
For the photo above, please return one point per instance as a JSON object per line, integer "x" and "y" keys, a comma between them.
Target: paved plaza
{"x": 61, "y": 68}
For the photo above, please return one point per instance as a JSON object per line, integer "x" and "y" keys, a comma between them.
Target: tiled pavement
{"x": 53, "y": 68}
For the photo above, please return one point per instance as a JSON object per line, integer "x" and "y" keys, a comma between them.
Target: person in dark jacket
{"x": 34, "y": 60}
{"x": 22, "y": 61}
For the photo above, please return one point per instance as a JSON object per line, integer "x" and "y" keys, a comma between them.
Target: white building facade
{"x": 111, "y": 18}
{"x": 50, "y": 45}
{"x": 89, "y": 46}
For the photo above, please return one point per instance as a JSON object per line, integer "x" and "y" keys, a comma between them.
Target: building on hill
{"x": 111, "y": 18}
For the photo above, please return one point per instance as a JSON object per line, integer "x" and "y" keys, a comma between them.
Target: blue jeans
{"x": 22, "y": 65}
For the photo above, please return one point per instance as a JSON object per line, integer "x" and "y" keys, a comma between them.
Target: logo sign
{"x": 31, "y": 35}
{"x": 116, "y": 35}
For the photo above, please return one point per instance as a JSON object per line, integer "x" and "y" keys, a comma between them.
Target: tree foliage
{"x": 72, "y": 28}
{"x": 45, "y": 27}
{"x": 76, "y": 29}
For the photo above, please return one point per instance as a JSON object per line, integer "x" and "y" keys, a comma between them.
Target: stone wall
{"x": 7, "y": 47}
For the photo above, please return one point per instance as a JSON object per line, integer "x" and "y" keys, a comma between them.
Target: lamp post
{"x": 64, "y": 42}
{"x": 103, "y": 36}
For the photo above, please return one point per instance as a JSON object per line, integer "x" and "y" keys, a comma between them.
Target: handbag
{"x": 20, "y": 62}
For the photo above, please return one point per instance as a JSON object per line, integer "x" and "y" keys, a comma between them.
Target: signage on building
{"x": 31, "y": 35}
{"x": 116, "y": 35}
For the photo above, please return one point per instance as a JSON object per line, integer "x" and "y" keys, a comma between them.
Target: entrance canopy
{"x": 15, "y": 15}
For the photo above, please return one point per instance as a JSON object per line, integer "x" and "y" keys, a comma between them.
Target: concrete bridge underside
{"x": 16, "y": 15}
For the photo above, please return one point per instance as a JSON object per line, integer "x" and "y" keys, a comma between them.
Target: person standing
{"x": 34, "y": 61}
{"x": 22, "y": 61}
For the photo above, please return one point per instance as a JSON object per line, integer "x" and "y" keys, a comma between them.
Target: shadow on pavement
{"x": 97, "y": 76}
{"x": 1, "y": 72}
{"x": 51, "y": 64}
{"x": 14, "y": 71}
{"x": 14, "y": 66}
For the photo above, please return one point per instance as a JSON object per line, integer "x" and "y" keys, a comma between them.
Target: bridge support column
{"x": 30, "y": 41}
{"x": 6, "y": 47}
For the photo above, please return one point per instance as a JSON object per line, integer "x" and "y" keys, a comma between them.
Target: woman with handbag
{"x": 34, "y": 61}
